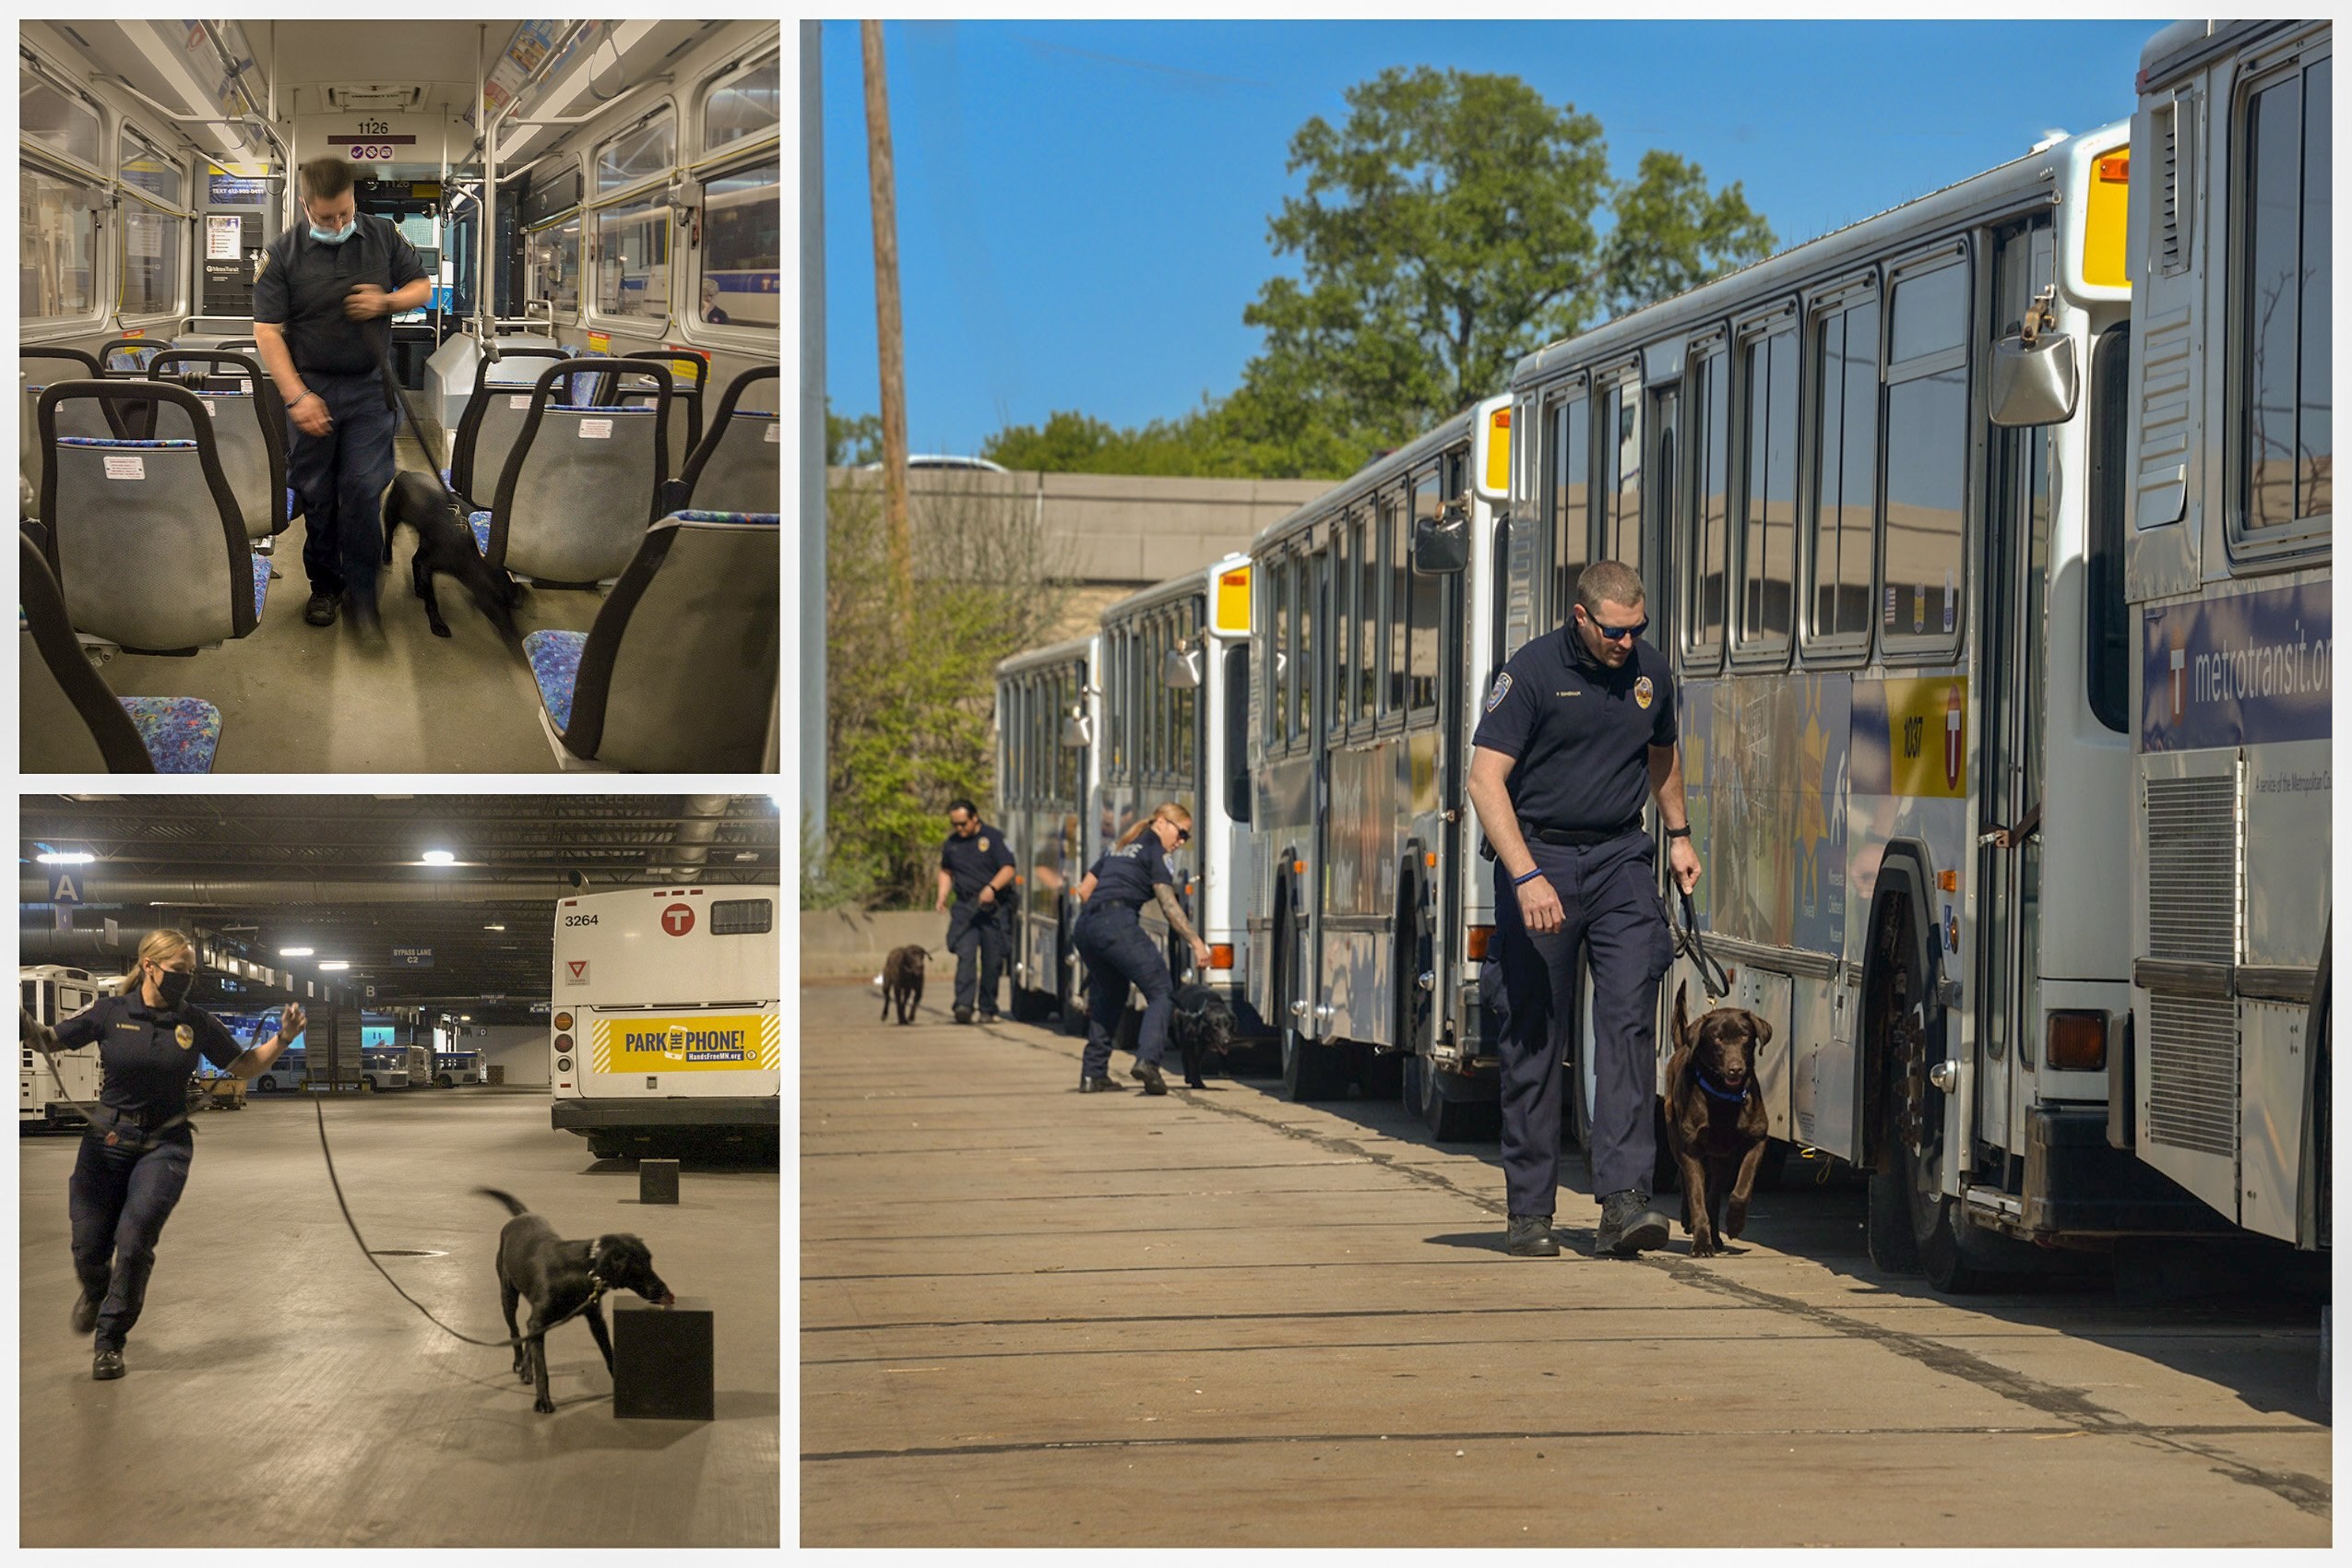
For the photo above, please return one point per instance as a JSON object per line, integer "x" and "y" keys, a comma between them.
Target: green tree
{"x": 1450, "y": 226}
{"x": 851, "y": 442}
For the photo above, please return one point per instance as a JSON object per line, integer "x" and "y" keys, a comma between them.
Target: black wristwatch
{"x": 1681, "y": 831}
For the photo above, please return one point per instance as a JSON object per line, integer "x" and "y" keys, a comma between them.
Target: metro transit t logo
{"x": 678, "y": 919}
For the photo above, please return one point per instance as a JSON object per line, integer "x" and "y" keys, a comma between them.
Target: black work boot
{"x": 320, "y": 610}
{"x": 107, "y": 1366}
{"x": 1147, "y": 1075}
{"x": 963, "y": 1015}
{"x": 85, "y": 1313}
{"x": 1099, "y": 1086}
{"x": 1627, "y": 1225}
{"x": 1529, "y": 1236}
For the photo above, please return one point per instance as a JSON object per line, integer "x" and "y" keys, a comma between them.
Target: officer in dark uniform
{"x": 976, "y": 867}
{"x": 1579, "y": 728}
{"x": 135, "y": 1155}
{"x": 1118, "y": 952}
{"x": 321, "y": 311}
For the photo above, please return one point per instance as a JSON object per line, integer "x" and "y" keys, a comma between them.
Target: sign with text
{"x": 2246, "y": 669}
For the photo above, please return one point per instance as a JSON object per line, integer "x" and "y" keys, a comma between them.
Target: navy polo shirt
{"x": 1581, "y": 732}
{"x": 145, "y": 1057}
{"x": 303, "y": 284}
{"x": 1124, "y": 877}
{"x": 972, "y": 863}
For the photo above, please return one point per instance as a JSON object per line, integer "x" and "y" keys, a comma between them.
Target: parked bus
{"x": 2226, "y": 459}
{"x": 667, "y": 1016}
{"x": 51, "y": 993}
{"x": 600, "y": 175}
{"x": 1175, "y": 672}
{"x": 451, "y": 1068}
{"x": 1048, "y": 708}
{"x": 1369, "y": 903}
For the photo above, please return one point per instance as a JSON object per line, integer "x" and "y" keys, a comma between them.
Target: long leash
{"x": 1692, "y": 945}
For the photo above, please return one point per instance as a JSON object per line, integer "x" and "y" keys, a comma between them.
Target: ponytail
{"x": 155, "y": 947}
{"x": 1169, "y": 810}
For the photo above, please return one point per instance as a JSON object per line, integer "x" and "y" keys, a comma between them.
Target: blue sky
{"x": 1083, "y": 206}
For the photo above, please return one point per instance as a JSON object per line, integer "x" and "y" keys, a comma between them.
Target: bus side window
{"x": 2107, "y": 619}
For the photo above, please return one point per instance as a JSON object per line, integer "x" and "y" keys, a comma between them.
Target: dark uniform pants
{"x": 1609, "y": 901}
{"x": 1118, "y": 955}
{"x": 341, "y": 477}
{"x": 119, "y": 1199}
{"x": 974, "y": 932}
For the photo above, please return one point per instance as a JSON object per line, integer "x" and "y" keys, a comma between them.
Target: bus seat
{"x": 32, "y": 380}
{"x": 249, "y": 419}
{"x": 683, "y": 438}
{"x": 580, "y": 485}
{"x": 129, "y": 356}
{"x": 69, "y": 719}
{"x": 735, "y": 468}
{"x": 146, "y": 537}
{"x": 493, "y": 417}
{"x": 680, "y": 670}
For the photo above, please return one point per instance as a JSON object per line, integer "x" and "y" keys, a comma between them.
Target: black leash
{"x": 1691, "y": 945}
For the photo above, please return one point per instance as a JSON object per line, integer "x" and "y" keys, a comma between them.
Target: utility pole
{"x": 815, "y": 689}
{"x": 889, "y": 335}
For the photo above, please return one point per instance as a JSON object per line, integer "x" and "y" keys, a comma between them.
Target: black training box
{"x": 661, "y": 1360}
{"x": 657, "y": 1181}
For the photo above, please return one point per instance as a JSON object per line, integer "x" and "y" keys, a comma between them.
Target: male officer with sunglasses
{"x": 1578, "y": 728}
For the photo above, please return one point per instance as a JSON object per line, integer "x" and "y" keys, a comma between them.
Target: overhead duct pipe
{"x": 200, "y": 892}
{"x": 689, "y": 852}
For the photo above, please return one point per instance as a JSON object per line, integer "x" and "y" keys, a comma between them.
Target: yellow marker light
{"x": 1297, "y": 867}
{"x": 2078, "y": 1041}
{"x": 2104, "y": 208}
{"x": 1498, "y": 450}
{"x": 1480, "y": 937}
{"x": 1233, "y": 601}
{"x": 1220, "y": 955}
{"x": 1431, "y": 859}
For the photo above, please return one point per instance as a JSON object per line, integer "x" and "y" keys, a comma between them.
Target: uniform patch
{"x": 185, "y": 1034}
{"x": 983, "y": 846}
{"x": 1642, "y": 691}
{"x": 1502, "y": 689}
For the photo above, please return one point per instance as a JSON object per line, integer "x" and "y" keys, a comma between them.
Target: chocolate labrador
{"x": 902, "y": 982}
{"x": 554, "y": 1275}
{"x": 1714, "y": 1117}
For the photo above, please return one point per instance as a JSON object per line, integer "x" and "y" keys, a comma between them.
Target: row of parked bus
{"x": 1990, "y": 538}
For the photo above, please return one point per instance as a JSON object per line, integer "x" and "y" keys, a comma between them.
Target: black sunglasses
{"x": 1618, "y": 634}
{"x": 1184, "y": 834}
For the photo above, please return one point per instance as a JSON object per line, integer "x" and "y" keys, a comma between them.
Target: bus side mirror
{"x": 1441, "y": 544}
{"x": 1076, "y": 732}
{"x": 1181, "y": 670}
{"x": 2034, "y": 380}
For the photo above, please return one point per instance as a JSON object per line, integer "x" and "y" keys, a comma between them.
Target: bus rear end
{"x": 666, "y": 1018}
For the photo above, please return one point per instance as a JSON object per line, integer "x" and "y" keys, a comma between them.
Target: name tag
{"x": 132, "y": 466}
{"x": 596, "y": 430}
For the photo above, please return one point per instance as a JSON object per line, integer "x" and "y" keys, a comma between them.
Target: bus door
{"x": 1453, "y": 737}
{"x": 1306, "y": 966}
{"x": 2012, "y": 579}
{"x": 1658, "y": 520}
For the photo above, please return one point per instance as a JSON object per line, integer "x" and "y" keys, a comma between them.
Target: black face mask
{"x": 175, "y": 984}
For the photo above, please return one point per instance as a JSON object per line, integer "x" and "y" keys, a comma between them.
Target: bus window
{"x": 58, "y": 245}
{"x": 742, "y": 103}
{"x": 2287, "y": 470}
{"x": 1621, "y": 486}
{"x": 555, "y": 266}
{"x": 1564, "y": 501}
{"x": 1304, "y": 574}
{"x": 633, "y": 260}
{"x": 1367, "y": 618}
{"x": 1708, "y": 570}
{"x": 2107, "y": 620}
{"x": 1846, "y": 449}
{"x": 1420, "y": 663}
{"x": 1185, "y": 702}
{"x": 1768, "y": 493}
{"x": 1281, "y": 659}
{"x": 1342, "y": 639}
{"x": 743, "y": 249}
{"x": 1396, "y": 543}
{"x": 644, "y": 150}
{"x": 1927, "y": 449}
{"x": 58, "y": 121}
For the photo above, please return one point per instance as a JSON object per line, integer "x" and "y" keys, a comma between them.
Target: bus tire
{"x": 1310, "y": 1071}
{"x": 446, "y": 1081}
{"x": 1889, "y": 1229}
{"x": 266, "y": 1084}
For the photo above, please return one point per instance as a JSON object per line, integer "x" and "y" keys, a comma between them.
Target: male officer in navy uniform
{"x": 1578, "y": 728}
{"x": 321, "y": 312}
{"x": 976, "y": 866}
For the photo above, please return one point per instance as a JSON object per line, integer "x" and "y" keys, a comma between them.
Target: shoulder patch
{"x": 1502, "y": 689}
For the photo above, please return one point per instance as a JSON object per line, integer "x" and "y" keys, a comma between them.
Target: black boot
{"x": 108, "y": 1366}
{"x": 1529, "y": 1236}
{"x": 1098, "y": 1086}
{"x": 1147, "y": 1075}
{"x": 1627, "y": 1225}
{"x": 85, "y": 1313}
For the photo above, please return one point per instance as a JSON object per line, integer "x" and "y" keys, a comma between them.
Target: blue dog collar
{"x": 1712, "y": 1093}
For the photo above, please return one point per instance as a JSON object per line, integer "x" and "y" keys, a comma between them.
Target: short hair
{"x": 324, "y": 178}
{"x": 955, "y": 806}
{"x": 1607, "y": 580}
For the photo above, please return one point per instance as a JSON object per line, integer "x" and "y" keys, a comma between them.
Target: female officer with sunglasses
{"x": 135, "y": 1158}
{"x": 1111, "y": 939}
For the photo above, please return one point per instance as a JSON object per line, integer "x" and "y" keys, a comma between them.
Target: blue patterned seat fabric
{"x": 110, "y": 442}
{"x": 759, "y": 519}
{"x": 180, "y": 734}
{"x": 479, "y": 523}
{"x": 260, "y": 583}
{"x": 555, "y": 665}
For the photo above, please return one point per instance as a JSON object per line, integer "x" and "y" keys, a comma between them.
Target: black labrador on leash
{"x": 554, "y": 1274}
{"x": 445, "y": 549}
{"x": 1201, "y": 1026}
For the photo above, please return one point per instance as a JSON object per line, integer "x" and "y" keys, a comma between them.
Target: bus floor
{"x": 280, "y": 1394}
{"x": 1217, "y": 1318}
{"x": 311, "y": 699}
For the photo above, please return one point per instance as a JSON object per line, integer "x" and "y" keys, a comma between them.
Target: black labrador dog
{"x": 1201, "y": 1027}
{"x": 552, "y": 1274}
{"x": 1715, "y": 1123}
{"x": 902, "y": 982}
{"x": 445, "y": 548}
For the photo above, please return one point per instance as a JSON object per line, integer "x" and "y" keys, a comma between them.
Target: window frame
{"x": 1816, "y": 648}
{"x": 1392, "y": 514}
{"x": 1340, "y": 637}
{"x": 594, "y": 193}
{"x": 718, "y": 82}
{"x": 1436, "y": 474}
{"x": 1554, "y": 488}
{"x": 1745, "y": 653}
{"x": 1895, "y": 645}
{"x": 1605, "y": 492}
{"x": 1712, "y": 347}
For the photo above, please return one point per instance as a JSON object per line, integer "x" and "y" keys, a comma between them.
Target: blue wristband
{"x": 1523, "y": 881}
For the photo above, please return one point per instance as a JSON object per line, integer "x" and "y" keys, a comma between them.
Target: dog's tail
{"x": 514, "y": 1205}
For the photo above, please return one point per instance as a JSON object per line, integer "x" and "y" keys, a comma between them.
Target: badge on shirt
{"x": 1502, "y": 689}
{"x": 983, "y": 846}
{"x": 185, "y": 1034}
{"x": 1643, "y": 691}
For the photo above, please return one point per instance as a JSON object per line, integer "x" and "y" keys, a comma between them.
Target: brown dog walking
{"x": 1715, "y": 1124}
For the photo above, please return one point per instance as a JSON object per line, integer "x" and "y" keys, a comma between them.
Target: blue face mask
{"x": 334, "y": 236}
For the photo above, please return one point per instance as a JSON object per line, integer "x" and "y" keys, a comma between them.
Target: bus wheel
{"x": 1309, "y": 1071}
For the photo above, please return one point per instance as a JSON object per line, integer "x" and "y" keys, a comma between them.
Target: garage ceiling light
{"x": 493, "y": 928}
{"x": 64, "y": 857}
{"x": 295, "y": 951}
{"x": 333, "y": 964}
{"x": 440, "y": 858}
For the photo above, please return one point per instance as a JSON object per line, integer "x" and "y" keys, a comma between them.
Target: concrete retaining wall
{"x": 850, "y": 945}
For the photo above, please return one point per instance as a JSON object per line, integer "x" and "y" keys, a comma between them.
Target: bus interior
{"x": 618, "y": 185}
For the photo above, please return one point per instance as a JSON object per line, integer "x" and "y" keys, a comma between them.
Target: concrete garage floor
{"x": 297, "y": 696}
{"x": 1029, "y": 1318}
{"x": 279, "y": 1393}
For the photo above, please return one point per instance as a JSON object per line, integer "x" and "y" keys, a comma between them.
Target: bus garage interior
{"x": 617, "y": 182}
{"x": 423, "y": 937}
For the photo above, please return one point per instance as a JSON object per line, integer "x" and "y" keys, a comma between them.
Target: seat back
{"x": 32, "y": 378}
{"x": 493, "y": 417}
{"x": 580, "y": 485}
{"x": 679, "y": 670}
{"x": 686, "y": 432}
{"x": 129, "y": 356}
{"x": 736, "y": 467}
{"x": 249, "y": 422}
{"x": 67, "y": 719}
{"x": 146, "y": 537}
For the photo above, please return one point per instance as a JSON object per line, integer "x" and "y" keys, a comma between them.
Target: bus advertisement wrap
{"x": 686, "y": 1042}
{"x": 2242, "y": 670}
